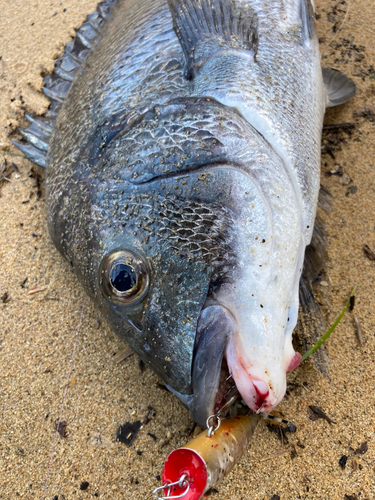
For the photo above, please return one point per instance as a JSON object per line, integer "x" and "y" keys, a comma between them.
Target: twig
{"x": 359, "y": 330}
{"x": 336, "y": 126}
{"x": 275, "y": 455}
{"x": 36, "y": 289}
{"x": 368, "y": 252}
{"x": 120, "y": 356}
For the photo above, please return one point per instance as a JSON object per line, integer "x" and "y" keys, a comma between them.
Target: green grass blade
{"x": 11, "y": 154}
{"x": 330, "y": 330}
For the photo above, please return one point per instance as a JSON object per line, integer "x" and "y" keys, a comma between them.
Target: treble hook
{"x": 181, "y": 483}
{"x": 211, "y": 428}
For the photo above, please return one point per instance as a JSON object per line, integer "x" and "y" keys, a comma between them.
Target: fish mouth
{"x": 222, "y": 374}
{"x": 216, "y": 380}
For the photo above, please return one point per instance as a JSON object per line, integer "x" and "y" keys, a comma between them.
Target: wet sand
{"x": 38, "y": 328}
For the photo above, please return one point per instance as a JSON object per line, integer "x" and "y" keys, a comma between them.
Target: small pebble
{"x": 84, "y": 486}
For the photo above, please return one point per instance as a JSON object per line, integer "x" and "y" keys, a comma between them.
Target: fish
{"x": 182, "y": 159}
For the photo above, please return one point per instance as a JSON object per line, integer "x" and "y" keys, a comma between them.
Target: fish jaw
{"x": 253, "y": 380}
{"x": 261, "y": 353}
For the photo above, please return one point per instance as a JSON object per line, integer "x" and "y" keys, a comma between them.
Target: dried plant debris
{"x": 356, "y": 465}
{"x": 280, "y": 431}
{"x": 368, "y": 252}
{"x": 320, "y": 414}
{"x": 368, "y": 113}
{"x": 34, "y": 174}
{"x": 333, "y": 138}
{"x": 362, "y": 449}
{"x": 124, "y": 354}
{"x": 290, "y": 427}
{"x": 359, "y": 330}
{"x": 6, "y": 170}
{"x": 192, "y": 429}
{"x": 351, "y": 190}
{"x": 150, "y": 415}
{"x": 36, "y": 289}
{"x": 127, "y": 432}
{"x": 342, "y": 461}
{"x": 337, "y": 170}
{"x": 293, "y": 451}
{"x": 96, "y": 439}
{"x": 339, "y": 126}
{"x": 61, "y": 429}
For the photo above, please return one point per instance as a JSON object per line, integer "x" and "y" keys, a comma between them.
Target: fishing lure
{"x": 194, "y": 469}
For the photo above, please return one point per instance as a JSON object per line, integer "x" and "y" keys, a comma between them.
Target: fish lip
{"x": 216, "y": 325}
{"x": 254, "y": 386}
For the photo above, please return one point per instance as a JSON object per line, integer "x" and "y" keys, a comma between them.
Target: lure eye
{"x": 123, "y": 277}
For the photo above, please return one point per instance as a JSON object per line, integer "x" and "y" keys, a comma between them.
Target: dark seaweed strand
{"x": 56, "y": 86}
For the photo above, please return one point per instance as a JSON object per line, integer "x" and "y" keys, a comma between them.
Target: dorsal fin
{"x": 205, "y": 27}
{"x": 56, "y": 85}
{"x": 311, "y": 319}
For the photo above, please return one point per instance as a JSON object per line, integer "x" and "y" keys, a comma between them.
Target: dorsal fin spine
{"x": 57, "y": 84}
{"x": 83, "y": 40}
{"x": 31, "y": 152}
{"x": 64, "y": 75}
{"x": 33, "y": 139}
{"x": 206, "y": 27}
{"x": 42, "y": 125}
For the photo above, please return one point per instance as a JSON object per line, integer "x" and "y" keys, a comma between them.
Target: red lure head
{"x": 184, "y": 461}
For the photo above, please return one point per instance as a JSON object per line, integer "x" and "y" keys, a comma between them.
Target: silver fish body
{"x": 182, "y": 185}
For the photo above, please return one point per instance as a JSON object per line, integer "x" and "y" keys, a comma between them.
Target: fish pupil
{"x": 123, "y": 277}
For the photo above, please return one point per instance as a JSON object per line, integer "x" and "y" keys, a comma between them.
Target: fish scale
{"x": 283, "y": 103}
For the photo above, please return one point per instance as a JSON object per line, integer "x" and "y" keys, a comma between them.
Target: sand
{"x": 38, "y": 330}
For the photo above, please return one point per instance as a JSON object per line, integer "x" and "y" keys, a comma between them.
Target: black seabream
{"x": 182, "y": 155}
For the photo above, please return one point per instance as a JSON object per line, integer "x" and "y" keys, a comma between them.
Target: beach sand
{"x": 38, "y": 328}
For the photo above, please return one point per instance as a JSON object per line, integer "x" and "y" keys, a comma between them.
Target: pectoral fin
{"x": 339, "y": 87}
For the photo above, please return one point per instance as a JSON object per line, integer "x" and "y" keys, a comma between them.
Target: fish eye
{"x": 123, "y": 277}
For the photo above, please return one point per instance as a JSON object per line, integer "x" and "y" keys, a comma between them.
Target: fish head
{"x": 186, "y": 233}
